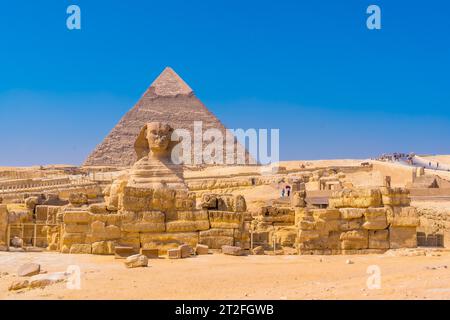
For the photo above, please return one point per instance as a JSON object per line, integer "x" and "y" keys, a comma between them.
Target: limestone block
{"x": 114, "y": 194}
{"x": 242, "y": 235}
{"x": 127, "y": 216}
{"x": 187, "y": 226}
{"x": 258, "y": 250}
{"x": 216, "y": 238}
{"x": 353, "y": 224}
{"x": 278, "y": 214}
{"x": 209, "y": 201}
{"x": 405, "y": 217}
{"x": 326, "y": 214}
{"x": 299, "y": 214}
{"x": 225, "y": 219}
{"x": 186, "y": 250}
{"x": 28, "y": 269}
{"x": 122, "y": 252}
{"x": 136, "y": 261}
{"x": 188, "y": 220}
{"x": 78, "y": 198}
{"x": 355, "y": 235}
{"x": 379, "y": 239}
{"x": 395, "y": 196}
{"x": 165, "y": 241}
{"x": 184, "y": 200}
{"x": 333, "y": 241}
{"x": 201, "y": 249}
{"x": 163, "y": 199}
{"x": 150, "y": 253}
{"x": 232, "y": 250}
{"x": 136, "y": 199}
{"x": 76, "y": 228}
{"x": 101, "y": 232}
{"x": 108, "y": 219}
{"x": 103, "y": 247}
{"x": 131, "y": 203}
{"x": 325, "y": 226}
{"x": 351, "y": 213}
{"x": 355, "y": 198}
{"x": 77, "y": 217}
{"x": 174, "y": 253}
{"x": 98, "y": 208}
{"x": 313, "y": 244}
{"x": 307, "y": 225}
{"x": 402, "y": 237}
{"x": 298, "y": 199}
{"x": 307, "y": 235}
{"x": 286, "y": 236}
{"x": 355, "y": 239}
{"x": 73, "y": 238}
{"x": 375, "y": 219}
{"x": 144, "y": 227}
{"x": 153, "y": 216}
{"x": 239, "y": 204}
{"x": 131, "y": 239}
{"x": 80, "y": 248}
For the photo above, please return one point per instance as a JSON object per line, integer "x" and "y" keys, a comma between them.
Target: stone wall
{"x": 153, "y": 219}
{"x": 359, "y": 221}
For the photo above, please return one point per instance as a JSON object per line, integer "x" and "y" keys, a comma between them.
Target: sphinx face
{"x": 158, "y": 136}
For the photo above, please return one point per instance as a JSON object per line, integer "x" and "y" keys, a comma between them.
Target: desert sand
{"x": 217, "y": 276}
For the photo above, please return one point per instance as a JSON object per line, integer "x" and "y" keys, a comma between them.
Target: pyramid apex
{"x": 169, "y": 83}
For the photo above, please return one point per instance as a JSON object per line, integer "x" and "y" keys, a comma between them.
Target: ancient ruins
{"x": 130, "y": 200}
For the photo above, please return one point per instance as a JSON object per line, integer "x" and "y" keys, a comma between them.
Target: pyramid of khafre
{"x": 169, "y": 99}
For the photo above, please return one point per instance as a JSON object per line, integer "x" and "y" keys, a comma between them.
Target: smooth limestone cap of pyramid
{"x": 169, "y": 83}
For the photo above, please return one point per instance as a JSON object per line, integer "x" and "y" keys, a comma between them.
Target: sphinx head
{"x": 158, "y": 136}
{"x": 154, "y": 137}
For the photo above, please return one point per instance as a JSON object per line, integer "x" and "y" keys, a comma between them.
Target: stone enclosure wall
{"x": 152, "y": 219}
{"x": 357, "y": 221}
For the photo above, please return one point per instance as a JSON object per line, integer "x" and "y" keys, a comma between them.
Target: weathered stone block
{"x": 122, "y": 252}
{"x": 136, "y": 261}
{"x": 379, "y": 239}
{"x": 150, "y": 253}
{"x": 402, "y": 237}
{"x": 231, "y": 250}
{"x": 80, "y": 248}
{"x": 307, "y": 235}
{"x": 103, "y": 247}
{"x": 225, "y": 219}
{"x": 405, "y": 217}
{"x": 174, "y": 253}
{"x": 77, "y": 217}
{"x": 29, "y": 269}
{"x": 201, "y": 249}
{"x": 186, "y": 250}
{"x": 355, "y": 198}
{"x": 326, "y": 214}
{"x": 351, "y": 213}
{"x": 165, "y": 241}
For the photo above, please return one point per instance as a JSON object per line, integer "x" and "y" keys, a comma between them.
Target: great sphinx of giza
{"x": 154, "y": 167}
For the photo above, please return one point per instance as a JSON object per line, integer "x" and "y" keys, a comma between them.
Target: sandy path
{"x": 226, "y": 277}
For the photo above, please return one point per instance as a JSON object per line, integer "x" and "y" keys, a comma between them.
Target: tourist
{"x": 282, "y": 193}
{"x": 288, "y": 190}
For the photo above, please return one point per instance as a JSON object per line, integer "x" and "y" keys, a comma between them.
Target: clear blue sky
{"x": 310, "y": 68}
